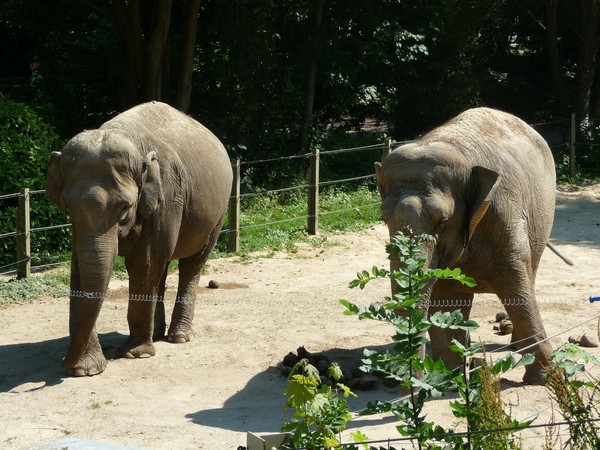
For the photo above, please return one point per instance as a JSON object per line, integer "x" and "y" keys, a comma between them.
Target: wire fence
{"x": 560, "y": 134}
{"x": 235, "y": 225}
{"x": 525, "y": 432}
{"x": 563, "y": 149}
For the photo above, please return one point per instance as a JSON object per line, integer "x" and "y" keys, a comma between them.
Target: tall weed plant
{"x": 575, "y": 389}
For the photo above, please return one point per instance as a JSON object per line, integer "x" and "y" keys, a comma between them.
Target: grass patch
{"x": 47, "y": 285}
{"x": 277, "y": 221}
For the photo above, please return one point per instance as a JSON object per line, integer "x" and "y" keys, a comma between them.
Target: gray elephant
{"x": 483, "y": 185}
{"x": 152, "y": 185}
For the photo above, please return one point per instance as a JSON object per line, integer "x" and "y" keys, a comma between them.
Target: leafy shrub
{"x": 320, "y": 411}
{"x": 421, "y": 376}
{"x": 26, "y": 142}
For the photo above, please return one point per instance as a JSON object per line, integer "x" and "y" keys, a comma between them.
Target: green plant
{"x": 421, "y": 376}
{"x": 482, "y": 405}
{"x": 26, "y": 142}
{"x": 577, "y": 398}
{"x": 320, "y": 411}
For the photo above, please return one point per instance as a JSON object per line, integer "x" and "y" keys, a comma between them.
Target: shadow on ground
{"x": 260, "y": 405}
{"x": 580, "y": 211}
{"x": 35, "y": 365}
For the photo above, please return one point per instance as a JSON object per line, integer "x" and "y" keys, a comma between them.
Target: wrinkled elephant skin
{"x": 484, "y": 185}
{"x": 151, "y": 185}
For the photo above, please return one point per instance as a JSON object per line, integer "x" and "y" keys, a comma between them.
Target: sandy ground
{"x": 208, "y": 393}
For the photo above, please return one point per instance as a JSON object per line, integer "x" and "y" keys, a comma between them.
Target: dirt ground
{"x": 208, "y": 393}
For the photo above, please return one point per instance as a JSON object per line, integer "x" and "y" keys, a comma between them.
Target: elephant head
{"x": 434, "y": 190}
{"x": 107, "y": 186}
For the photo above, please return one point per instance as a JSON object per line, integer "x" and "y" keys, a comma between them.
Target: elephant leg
{"x": 180, "y": 329}
{"x": 528, "y": 329}
{"x": 92, "y": 362}
{"x": 140, "y": 316}
{"x": 445, "y": 299}
{"x": 144, "y": 282}
{"x": 160, "y": 324}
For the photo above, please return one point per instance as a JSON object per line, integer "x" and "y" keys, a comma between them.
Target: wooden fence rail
{"x": 23, "y": 233}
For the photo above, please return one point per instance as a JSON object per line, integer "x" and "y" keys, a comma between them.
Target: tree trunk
{"x": 554, "y": 55}
{"x": 311, "y": 78}
{"x": 586, "y": 63}
{"x": 126, "y": 16}
{"x": 143, "y": 33}
{"x": 190, "y": 27}
{"x": 155, "y": 49}
{"x": 595, "y": 95}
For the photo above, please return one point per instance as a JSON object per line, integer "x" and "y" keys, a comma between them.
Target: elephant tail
{"x": 560, "y": 255}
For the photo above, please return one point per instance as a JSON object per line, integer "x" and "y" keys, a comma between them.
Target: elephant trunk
{"x": 431, "y": 261}
{"x": 91, "y": 269}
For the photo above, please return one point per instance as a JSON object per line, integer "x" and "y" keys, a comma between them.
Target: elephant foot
{"x": 535, "y": 377}
{"x": 132, "y": 350}
{"x": 180, "y": 335}
{"x": 91, "y": 363}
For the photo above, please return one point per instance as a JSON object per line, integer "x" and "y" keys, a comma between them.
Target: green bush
{"x": 26, "y": 142}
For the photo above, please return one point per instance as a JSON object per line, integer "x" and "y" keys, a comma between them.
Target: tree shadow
{"x": 260, "y": 405}
{"x": 582, "y": 212}
{"x": 35, "y": 365}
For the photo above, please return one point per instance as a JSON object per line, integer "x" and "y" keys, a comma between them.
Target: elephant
{"x": 151, "y": 185}
{"x": 483, "y": 185}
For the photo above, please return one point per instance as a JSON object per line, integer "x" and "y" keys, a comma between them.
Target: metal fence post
{"x": 387, "y": 148}
{"x": 313, "y": 193}
{"x": 233, "y": 214}
{"x": 23, "y": 236}
{"x": 572, "y": 152}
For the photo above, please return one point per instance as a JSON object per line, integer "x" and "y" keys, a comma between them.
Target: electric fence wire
{"x": 439, "y": 437}
{"x": 531, "y": 416}
{"x": 7, "y": 196}
{"x": 499, "y": 349}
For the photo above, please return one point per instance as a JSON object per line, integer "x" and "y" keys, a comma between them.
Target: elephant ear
{"x": 151, "y": 193}
{"x": 54, "y": 181}
{"x": 484, "y": 182}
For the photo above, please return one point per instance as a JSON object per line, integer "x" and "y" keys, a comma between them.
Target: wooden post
{"x": 572, "y": 152}
{"x": 23, "y": 236}
{"x": 387, "y": 148}
{"x": 233, "y": 232}
{"x": 313, "y": 193}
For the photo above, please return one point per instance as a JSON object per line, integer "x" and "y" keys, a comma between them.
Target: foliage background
{"x": 25, "y": 140}
{"x": 256, "y": 64}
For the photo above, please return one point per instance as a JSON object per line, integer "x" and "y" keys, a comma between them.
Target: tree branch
{"x": 97, "y": 9}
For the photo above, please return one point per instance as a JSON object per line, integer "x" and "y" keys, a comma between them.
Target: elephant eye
{"x": 440, "y": 224}
{"x": 124, "y": 211}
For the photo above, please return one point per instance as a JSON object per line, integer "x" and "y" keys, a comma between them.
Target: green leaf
{"x": 510, "y": 361}
{"x": 318, "y": 403}
{"x": 334, "y": 371}
{"x": 453, "y": 320}
{"x": 346, "y": 390}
